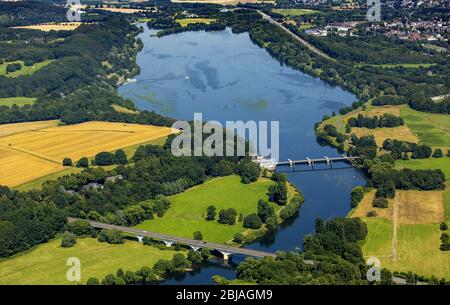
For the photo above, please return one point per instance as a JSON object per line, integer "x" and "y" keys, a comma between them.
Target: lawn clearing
{"x": 187, "y": 21}
{"x": 46, "y": 263}
{"x": 25, "y": 70}
{"x": 429, "y": 163}
{"x": 365, "y": 206}
{"x": 431, "y": 128}
{"x": 295, "y": 12}
{"x": 20, "y": 101}
{"x": 186, "y": 215}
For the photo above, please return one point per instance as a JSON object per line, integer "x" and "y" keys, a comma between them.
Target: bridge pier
{"x": 195, "y": 248}
{"x": 140, "y": 238}
{"x": 226, "y": 255}
{"x": 168, "y": 243}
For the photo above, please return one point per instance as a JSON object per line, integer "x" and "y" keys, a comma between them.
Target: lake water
{"x": 227, "y": 77}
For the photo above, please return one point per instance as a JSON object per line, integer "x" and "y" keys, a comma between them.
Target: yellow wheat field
{"x": 38, "y": 152}
{"x": 10, "y": 129}
{"x": 63, "y": 26}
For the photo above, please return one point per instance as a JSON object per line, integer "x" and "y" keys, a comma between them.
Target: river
{"x": 227, "y": 77}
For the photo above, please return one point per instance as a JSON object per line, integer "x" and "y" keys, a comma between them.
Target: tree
{"x": 265, "y": 210}
{"x": 278, "y": 193}
{"x": 272, "y": 223}
{"x": 93, "y": 281}
{"x": 380, "y": 202}
{"x": 198, "y": 235}
{"x": 448, "y": 153}
{"x": 104, "y": 158}
{"x": 252, "y": 221}
{"x": 357, "y": 195}
{"x": 437, "y": 153}
{"x": 111, "y": 237}
{"x": 227, "y": 216}
{"x": 120, "y": 157}
{"x": 238, "y": 237}
{"x": 195, "y": 257}
{"x": 68, "y": 239}
{"x": 109, "y": 280}
{"x": 67, "y": 162}
{"x": 180, "y": 262}
{"x": 443, "y": 226}
{"x": 163, "y": 266}
{"x": 249, "y": 172}
{"x": 83, "y": 162}
{"x": 211, "y": 213}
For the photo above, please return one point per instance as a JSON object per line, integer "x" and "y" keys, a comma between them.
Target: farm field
{"x": 186, "y": 215}
{"x": 25, "y": 70}
{"x": 431, "y": 128}
{"x": 19, "y": 101}
{"x": 295, "y": 12}
{"x": 40, "y": 151}
{"x": 121, "y": 10}
{"x": 36, "y": 184}
{"x": 187, "y": 21}
{"x": 381, "y": 134}
{"x": 15, "y": 128}
{"x": 418, "y": 235}
{"x": 46, "y": 263}
{"x": 62, "y": 26}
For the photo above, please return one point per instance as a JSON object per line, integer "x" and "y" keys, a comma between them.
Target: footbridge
{"x": 169, "y": 240}
{"x": 311, "y": 162}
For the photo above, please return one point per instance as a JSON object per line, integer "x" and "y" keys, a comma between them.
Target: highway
{"x": 302, "y": 41}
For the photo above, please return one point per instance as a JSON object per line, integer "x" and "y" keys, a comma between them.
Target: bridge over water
{"x": 169, "y": 240}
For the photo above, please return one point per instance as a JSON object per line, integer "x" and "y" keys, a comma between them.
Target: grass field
{"x": 430, "y": 163}
{"x": 46, "y": 263}
{"x": 62, "y": 26}
{"x": 381, "y": 134}
{"x": 295, "y": 12}
{"x": 418, "y": 234}
{"x": 121, "y": 10}
{"x": 26, "y": 70}
{"x": 40, "y": 151}
{"x": 186, "y": 214}
{"x": 124, "y": 110}
{"x": 19, "y": 101}
{"x": 187, "y": 21}
{"x": 431, "y": 128}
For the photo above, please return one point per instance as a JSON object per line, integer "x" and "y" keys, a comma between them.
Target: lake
{"x": 227, "y": 77}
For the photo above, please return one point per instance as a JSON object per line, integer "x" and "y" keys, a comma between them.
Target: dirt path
{"x": 394, "y": 229}
{"x": 302, "y": 41}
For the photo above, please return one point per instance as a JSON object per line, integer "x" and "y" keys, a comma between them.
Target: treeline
{"x": 419, "y": 103}
{"x": 385, "y": 120}
{"x": 331, "y": 256}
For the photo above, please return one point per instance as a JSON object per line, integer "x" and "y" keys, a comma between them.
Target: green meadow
{"x": 19, "y": 101}
{"x": 187, "y": 212}
{"x": 430, "y": 163}
{"x": 25, "y": 70}
{"x": 431, "y": 128}
{"x": 46, "y": 263}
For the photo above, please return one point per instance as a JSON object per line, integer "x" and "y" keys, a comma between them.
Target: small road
{"x": 302, "y": 41}
{"x": 185, "y": 241}
{"x": 394, "y": 229}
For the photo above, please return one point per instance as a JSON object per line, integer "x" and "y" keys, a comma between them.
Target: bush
{"x": 357, "y": 195}
{"x": 67, "y": 162}
{"x": 372, "y": 214}
{"x": 330, "y": 130}
{"x": 252, "y": 221}
{"x": 79, "y": 227}
{"x": 278, "y": 193}
{"x": 437, "y": 153}
{"x": 111, "y": 237}
{"x": 68, "y": 239}
{"x": 120, "y": 157}
{"x": 227, "y": 216}
{"x": 93, "y": 281}
{"x": 179, "y": 262}
{"x": 211, "y": 213}
{"x": 443, "y": 226}
{"x": 83, "y": 162}
{"x": 195, "y": 257}
{"x": 198, "y": 235}
{"x": 239, "y": 238}
{"x": 380, "y": 202}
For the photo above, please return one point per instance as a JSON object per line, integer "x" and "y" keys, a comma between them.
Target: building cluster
{"x": 417, "y": 30}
